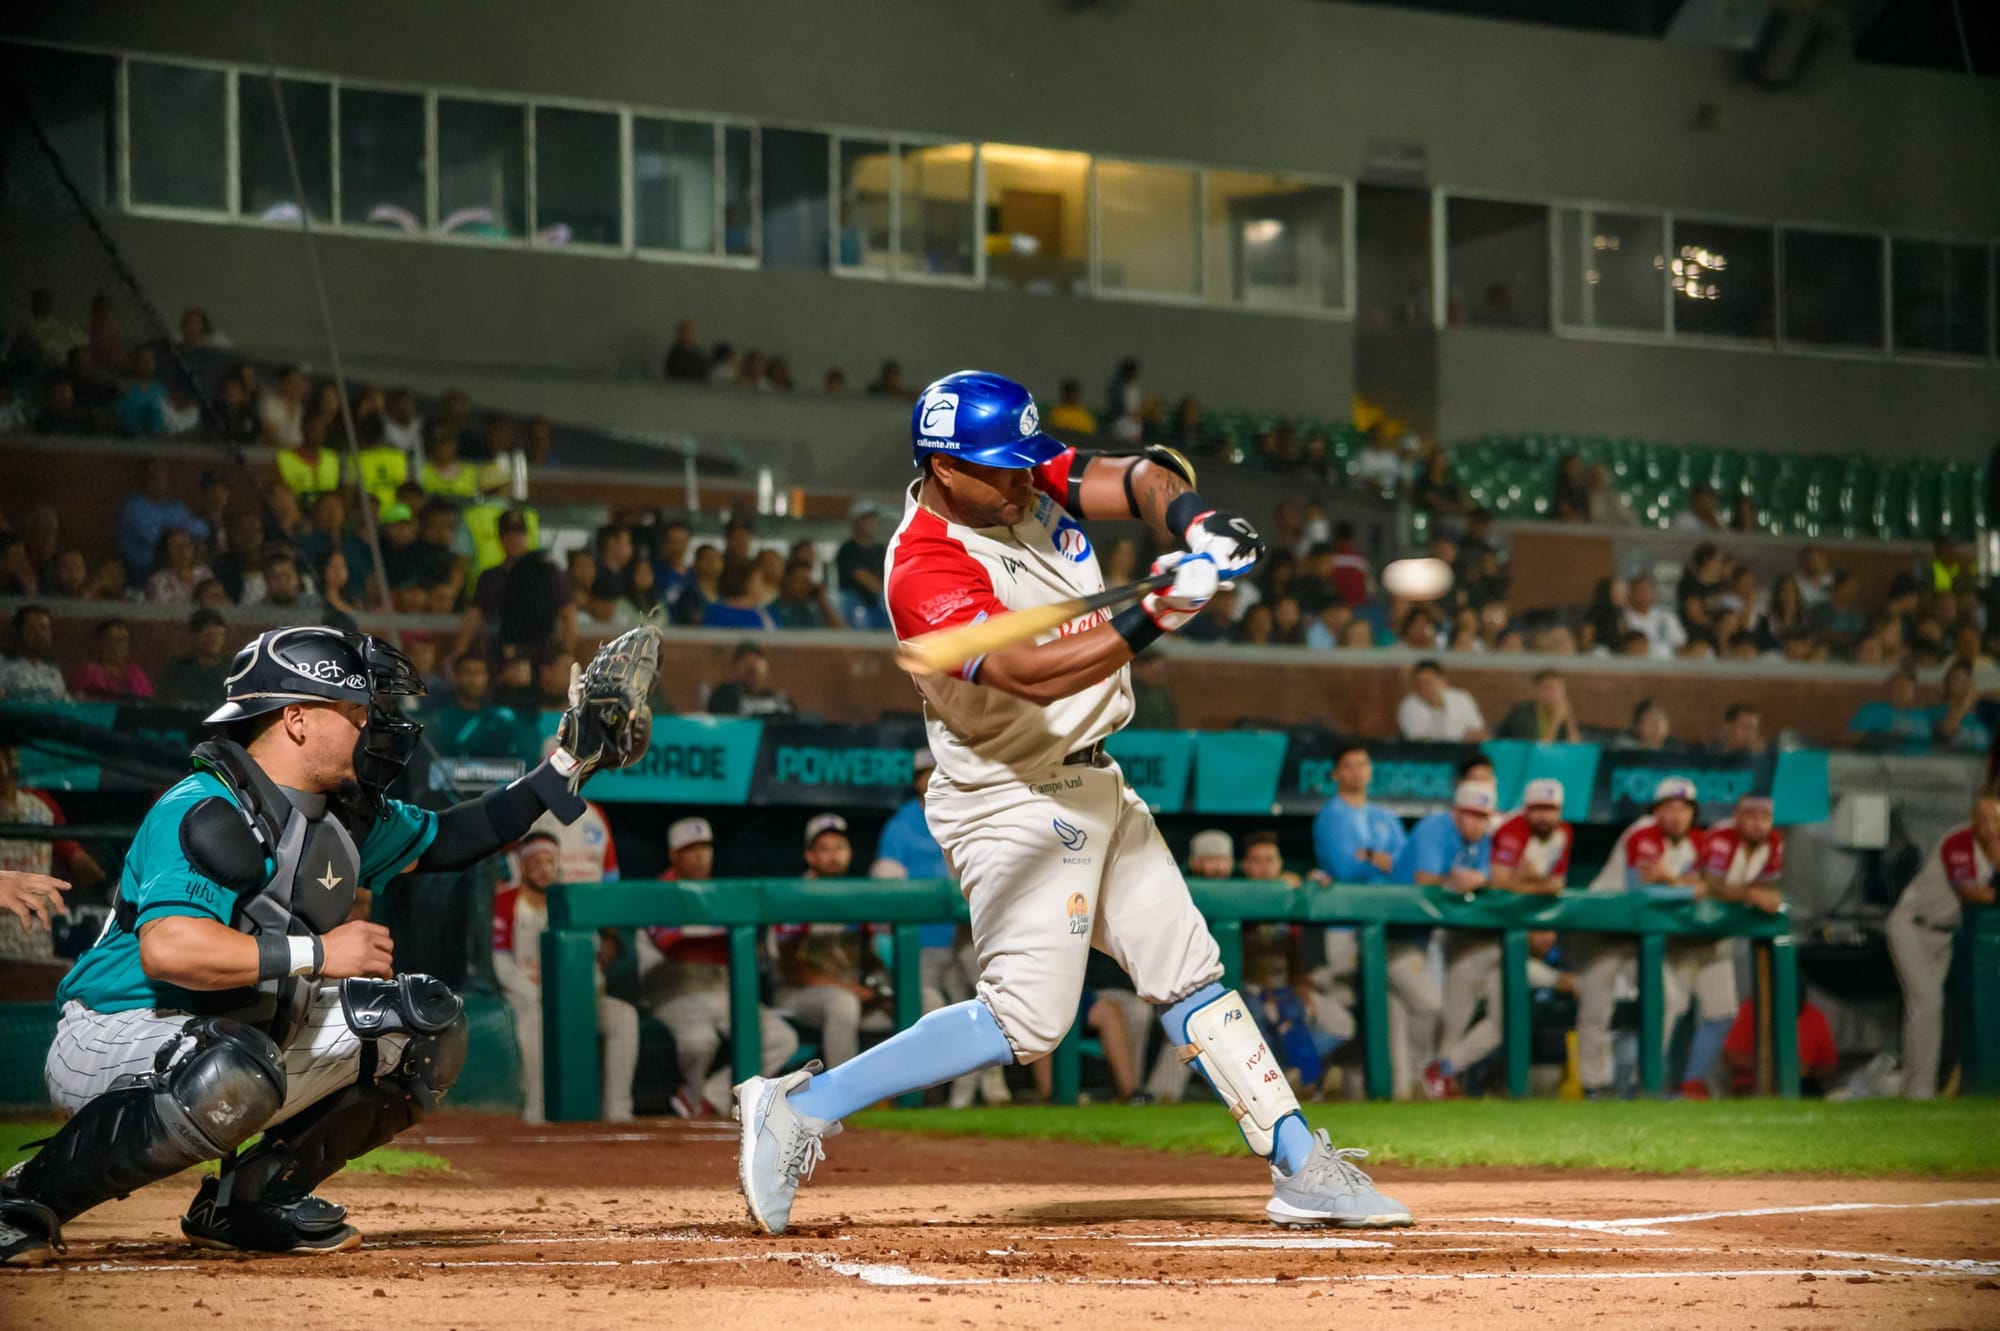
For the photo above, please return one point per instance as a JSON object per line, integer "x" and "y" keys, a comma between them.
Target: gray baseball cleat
{"x": 1329, "y": 1191}
{"x": 779, "y": 1146}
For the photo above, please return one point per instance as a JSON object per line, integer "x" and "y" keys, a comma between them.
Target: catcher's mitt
{"x": 610, "y": 718}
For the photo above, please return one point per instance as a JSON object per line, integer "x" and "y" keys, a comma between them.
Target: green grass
{"x": 1857, "y": 1138}
{"x": 388, "y": 1162}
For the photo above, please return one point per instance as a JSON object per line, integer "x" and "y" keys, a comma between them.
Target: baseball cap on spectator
{"x": 513, "y": 520}
{"x": 922, "y": 761}
{"x": 820, "y": 824}
{"x": 395, "y": 513}
{"x": 1752, "y": 800}
{"x": 533, "y": 839}
{"x": 862, "y": 508}
{"x": 1545, "y": 790}
{"x": 746, "y": 648}
{"x": 1674, "y": 788}
{"x": 689, "y": 832}
{"x": 205, "y": 617}
{"x": 1475, "y": 797}
{"x": 1212, "y": 844}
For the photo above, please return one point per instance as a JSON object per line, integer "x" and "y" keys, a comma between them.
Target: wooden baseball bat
{"x": 946, "y": 650}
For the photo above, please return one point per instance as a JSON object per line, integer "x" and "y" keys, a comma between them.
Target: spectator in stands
{"x": 1352, "y": 572}
{"x": 282, "y": 409}
{"x": 1530, "y": 856}
{"x": 1923, "y": 927}
{"x": 684, "y": 979}
{"x": 703, "y": 587}
{"x": 42, "y": 344}
{"x": 149, "y": 513}
{"x": 888, "y": 382}
{"x": 106, "y": 338}
{"x": 1814, "y": 576}
{"x": 1661, "y": 850}
{"x": 1069, "y": 415}
{"x": 858, "y": 564}
{"x": 835, "y": 383}
{"x": 1570, "y": 501}
{"x": 750, "y": 369}
{"x": 1701, "y": 513}
{"x": 529, "y": 607}
{"x": 142, "y": 399}
{"x": 722, "y": 365}
{"x": 520, "y": 918}
{"x": 96, "y": 384}
{"x": 1664, "y": 634}
{"x": 1419, "y": 629}
{"x": 1433, "y": 710}
{"x": 670, "y": 559}
{"x": 1211, "y": 854}
{"x": 285, "y": 523}
{"x": 466, "y": 723}
{"x": 802, "y": 603}
{"x": 1288, "y": 628}
{"x": 1960, "y": 728}
{"x": 402, "y": 428}
{"x": 71, "y": 579}
{"x": 821, "y": 966}
{"x": 686, "y": 362}
{"x": 341, "y": 606}
{"x": 737, "y": 606}
{"x": 1254, "y": 628}
{"x": 1355, "y": 841}
{"x": 397, "y": 528}
{"x": 176, "y": 572}
{"x": 778, "y": 375}
{"x": 1436, "y": 491}
{"x": 284, "y": 587}
{"x": 311, "y": 466}
{"x": 30, "y": 672}
{"x": 1742, "y": 730}
{"x": 1546, "y": 716}
{"x": 19, "y": 804}
{"x": 199, "y": 333}
{"x": 111, "y": 675}
{"x": 17, "y": 574}
{"x": 61, "y": 413}
{"x": 196, "y": 680}
{"x": 1896, "y": 723}
{"x": 748, "y": 691}
{"x": 1949, "y": 569}
{"x": 1125, "y": 402}
{"x": 431, "y": 566}
{"x": 615, "y": 553}
{"x": 1649, "y": 728}
{"x": 108, "y": 581}
{"x": 1743, "y": 514}
{"x": 1608, "y": 507}
{"x": 1703, "y": 582}
{"x": 443, "y": 473}
{"x": 213, "y": 511}
{"x": 330, "y": 532}
{"x": 1785, "y": 618}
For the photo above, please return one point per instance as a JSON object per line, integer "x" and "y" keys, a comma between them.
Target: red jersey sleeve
{"x": 1509, "y": 842}
{"x": 503, "y": 919}
{"x": 935, "y": 583}
{"x": 1052, "y": 478}
{"x": 1721, "y": 848}
{"x": 1643, "y": 847}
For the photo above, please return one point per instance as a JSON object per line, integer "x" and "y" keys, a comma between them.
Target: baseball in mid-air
{"x": 1417, "y": 579}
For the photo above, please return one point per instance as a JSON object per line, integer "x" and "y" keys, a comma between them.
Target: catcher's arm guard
{"x": 610, "y": 718}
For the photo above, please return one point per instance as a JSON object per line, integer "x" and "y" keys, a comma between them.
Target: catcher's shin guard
{"x": 296, "y": 1156}
{"x": 210, "y": 1090}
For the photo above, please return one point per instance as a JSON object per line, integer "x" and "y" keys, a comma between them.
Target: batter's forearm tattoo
{"x": 1151, "y": 489}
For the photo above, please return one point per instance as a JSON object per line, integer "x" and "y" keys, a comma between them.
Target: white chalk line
{"x": 1643, "y": 1226}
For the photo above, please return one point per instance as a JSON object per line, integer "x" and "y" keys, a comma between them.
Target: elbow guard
{"x": 469, "y": 832}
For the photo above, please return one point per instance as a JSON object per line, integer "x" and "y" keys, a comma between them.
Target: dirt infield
{"x": 642, "y": 1227}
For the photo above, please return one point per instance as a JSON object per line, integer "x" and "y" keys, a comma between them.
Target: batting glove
{"x": 1227, "y": 539}
{"x": 1195, "y": 582}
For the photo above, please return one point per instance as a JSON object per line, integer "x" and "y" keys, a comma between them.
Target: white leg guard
{"x": 1225, "y": 1044}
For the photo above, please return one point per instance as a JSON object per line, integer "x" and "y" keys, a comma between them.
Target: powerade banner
{"x": 848, "y": 766}
{"x": 1156, "y": 764}
{"x": 1408, "y": 776}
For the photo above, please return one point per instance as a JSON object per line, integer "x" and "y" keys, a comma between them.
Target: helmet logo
{"x": 327, "y": 672}
{"x": 1031, "y": 420}
{"x": 937, "y": 418}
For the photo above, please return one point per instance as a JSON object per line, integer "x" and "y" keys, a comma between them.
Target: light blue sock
{"x": 1706, "y": 1047}
{"x": 1294, "y": 1138}
{"x": 947, "y": 1043}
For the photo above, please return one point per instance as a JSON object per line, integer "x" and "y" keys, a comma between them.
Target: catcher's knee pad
{"x": 211, "y": 1088}
{"x": 432, "y": 1061}
{"x": 1225, "y": 1044}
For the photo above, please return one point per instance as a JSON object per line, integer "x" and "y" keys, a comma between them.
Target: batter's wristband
{"x": 274, "y": 957}
{"x": 1137, "y": 628}
{"x": 1184, "y": 510}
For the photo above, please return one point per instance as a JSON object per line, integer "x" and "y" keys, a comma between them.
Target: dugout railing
{"x": 742, "y": 907}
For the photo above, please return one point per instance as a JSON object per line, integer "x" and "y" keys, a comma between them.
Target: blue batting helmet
{"x": 985, "y": 418}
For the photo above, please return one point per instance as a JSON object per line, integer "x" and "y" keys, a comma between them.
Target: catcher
{"x": 231, "y": 994}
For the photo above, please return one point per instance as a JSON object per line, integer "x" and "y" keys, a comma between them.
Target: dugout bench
{"x": 744, "y": 906}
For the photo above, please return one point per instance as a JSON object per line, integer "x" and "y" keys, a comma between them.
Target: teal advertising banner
{"x": 1156, "y": 764}
{"x": 1236, "y": 771}
{"x": 1516, "y": 762}
{"x": 692, "y": 760}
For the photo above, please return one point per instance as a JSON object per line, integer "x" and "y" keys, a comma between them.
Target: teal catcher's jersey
{"x": 158, "y": 880}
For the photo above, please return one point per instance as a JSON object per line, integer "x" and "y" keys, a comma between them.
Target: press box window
{"x": 265, "y": 191}
{"x": 1721, "y": 280}
{"x": 179, "y": 135}
{"x": 577, "y": 189}
{"x": 73, "y": 99}
{"x": 1271, "y": 242}
{"x": 1148, "y": 220}
{"x": 382, "y": 159}
{"x": 1497, "y": 257}
{"x": 482, "y": 169}
{"x": 1037, "y": 220}
{"x": 1940, "y": 297}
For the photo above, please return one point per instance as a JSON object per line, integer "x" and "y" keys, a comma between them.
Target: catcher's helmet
{"x": 985, "y": 418}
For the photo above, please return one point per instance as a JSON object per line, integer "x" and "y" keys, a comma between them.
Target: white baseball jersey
{"x": 584, "y": 849}
{"x": 938, "y": 575}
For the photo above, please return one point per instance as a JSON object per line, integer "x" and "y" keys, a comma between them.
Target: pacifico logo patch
{"x": 1079, "y": 914}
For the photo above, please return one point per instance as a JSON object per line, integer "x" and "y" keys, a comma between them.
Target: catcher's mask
{"x": 390, "y": 738}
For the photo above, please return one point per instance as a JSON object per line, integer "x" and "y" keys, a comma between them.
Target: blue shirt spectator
{"x": 1353, "y": 840}
{"x": 908, "y": 850}
{"x": 146, "y": 515}
{"x": 1896, "y": 724}
{"x": 1458, "y": 838}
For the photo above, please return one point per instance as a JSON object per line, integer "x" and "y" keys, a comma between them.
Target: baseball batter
{"x": 1054, "y": 853}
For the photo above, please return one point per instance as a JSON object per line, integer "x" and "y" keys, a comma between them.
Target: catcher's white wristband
{"x": 564, "y": 761}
